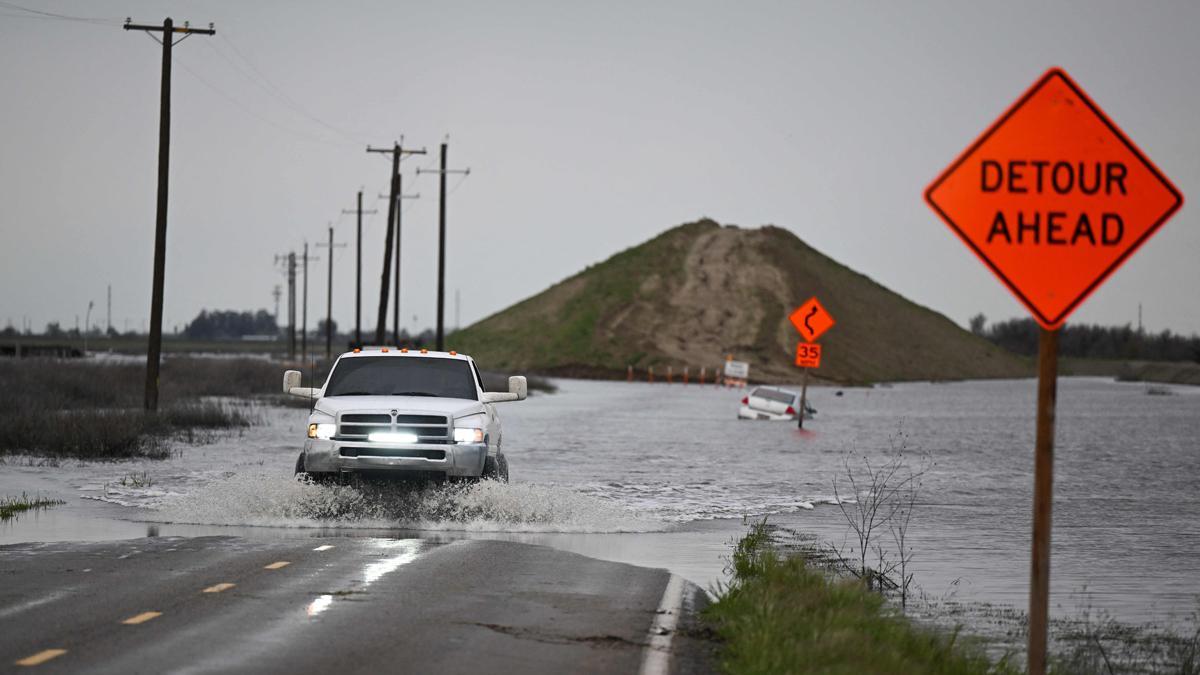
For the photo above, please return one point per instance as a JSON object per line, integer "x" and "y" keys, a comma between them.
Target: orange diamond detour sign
{"x": 1053, "y": 197}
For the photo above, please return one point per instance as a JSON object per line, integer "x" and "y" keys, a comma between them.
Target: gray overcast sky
{"x": 588, "y": 127}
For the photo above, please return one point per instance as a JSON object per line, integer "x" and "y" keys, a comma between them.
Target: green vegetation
{"x": 1167, "y": 372}
{"x": 700, "y": 291}
{"x": 11, "y": 506}
{"x": 1090, "y": 341}
{"x": 227, "y": 325}
{"x": 781, "y": 615}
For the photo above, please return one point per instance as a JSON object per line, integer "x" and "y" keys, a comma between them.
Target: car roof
{"x": 769, "y": 388}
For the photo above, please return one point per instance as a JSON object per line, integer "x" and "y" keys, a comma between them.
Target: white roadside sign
{"x": 738, "y": 370}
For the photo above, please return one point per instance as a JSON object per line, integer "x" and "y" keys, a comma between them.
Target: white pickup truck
{"x": 404, "y": 413}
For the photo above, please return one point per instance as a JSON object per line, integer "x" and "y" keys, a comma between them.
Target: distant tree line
{"x": 227, "y": 325}
{"x": 1091, "y": 341}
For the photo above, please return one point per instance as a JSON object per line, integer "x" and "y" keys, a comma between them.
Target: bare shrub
{"x": 877, "y": 496}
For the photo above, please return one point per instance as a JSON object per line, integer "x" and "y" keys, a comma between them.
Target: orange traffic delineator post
{"x": 629, "y": 374}
{"x": 702, "y": 374}
{"x": 685, "y": 374}
{"x": 670, "y": 375}
{"x": 649, "y": 373}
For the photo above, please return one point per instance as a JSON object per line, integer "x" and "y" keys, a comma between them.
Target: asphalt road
{"x": 226, "y": 604}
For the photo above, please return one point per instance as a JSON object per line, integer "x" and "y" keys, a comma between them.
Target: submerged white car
{"x": 403, "y": 413}
{"x": 772, "y": 403}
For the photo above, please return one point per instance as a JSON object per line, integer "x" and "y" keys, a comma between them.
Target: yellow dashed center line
{"x": 41, "y": 657}
{"x": 277, "y": 565}
{"x": 141, "y": 618}
{"x": 217, "y": 588}
{"x": 326, "y": 547}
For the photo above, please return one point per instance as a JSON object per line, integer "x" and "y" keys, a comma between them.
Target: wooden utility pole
{"x": 304, "y": 307}
{"x": 441, "y": 283}
{"x": 358, "y": 273}
{"x": 393, "y": 202}
{"x": 329, "y": 297}
{"x": 400, "y": 197}
{"x": 1043, "y": 490}
{"x": 154, "y": 347}
{"x": 292, "y": 305}
{"x": 289, "y": 261}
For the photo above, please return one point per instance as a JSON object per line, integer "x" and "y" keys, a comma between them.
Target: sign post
{"x": 812, "y": 321}
{"x": 1052, "y": 197}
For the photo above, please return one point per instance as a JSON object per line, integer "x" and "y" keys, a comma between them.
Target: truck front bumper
{"x": 451, "y": 459}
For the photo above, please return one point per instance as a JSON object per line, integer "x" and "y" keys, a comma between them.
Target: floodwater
{"x": 663, "y": 475}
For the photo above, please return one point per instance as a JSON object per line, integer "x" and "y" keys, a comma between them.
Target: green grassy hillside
{"x": 700, "y": 291}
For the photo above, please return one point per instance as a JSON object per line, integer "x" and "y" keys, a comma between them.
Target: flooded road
{"x": 662, "y": 475}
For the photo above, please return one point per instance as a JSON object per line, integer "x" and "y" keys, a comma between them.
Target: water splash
{"x": 268, "y": 499}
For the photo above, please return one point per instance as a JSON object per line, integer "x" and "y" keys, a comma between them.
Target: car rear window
{"x": 402, "y": 376}
{"x": 777, "y": 395}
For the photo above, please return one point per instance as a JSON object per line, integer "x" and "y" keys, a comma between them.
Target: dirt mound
{"x": 700, "y": 291}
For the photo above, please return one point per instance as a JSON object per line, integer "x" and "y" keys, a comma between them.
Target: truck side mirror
{"x": 291, "y": 385}
{"x": 291, "y": 378}
{"x": 519, "y": 386}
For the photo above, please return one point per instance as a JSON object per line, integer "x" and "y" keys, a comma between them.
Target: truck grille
{"x": 428, "y": 428}
{"x": 392, "y": 452}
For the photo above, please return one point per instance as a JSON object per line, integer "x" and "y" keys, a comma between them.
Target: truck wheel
{"x": 495, "y": 468}
{"x": 300, "y": 474}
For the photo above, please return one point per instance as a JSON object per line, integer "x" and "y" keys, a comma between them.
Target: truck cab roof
{"x": 409, "y": 352}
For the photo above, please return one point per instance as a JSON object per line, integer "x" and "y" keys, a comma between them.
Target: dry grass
{"x": 88, "y": 410}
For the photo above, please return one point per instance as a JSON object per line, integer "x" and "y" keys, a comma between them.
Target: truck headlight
{"x": 323, "y": 430}
{"x": 465, "y": 436}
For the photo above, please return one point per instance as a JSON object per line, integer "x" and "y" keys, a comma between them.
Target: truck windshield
{"x": 402, "y": 376}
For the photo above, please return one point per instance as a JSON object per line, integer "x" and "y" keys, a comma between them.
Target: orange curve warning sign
{"x": 808, "y": 355}
{"x": 1053, "y": 197}
{"x": 811, "y": 319}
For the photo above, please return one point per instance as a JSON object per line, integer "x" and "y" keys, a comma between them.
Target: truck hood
{"x": 454, "y": 407}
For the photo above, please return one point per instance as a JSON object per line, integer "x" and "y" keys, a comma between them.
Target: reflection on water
{"x": 409, "y": 550}
{"x": 319, "y": 605}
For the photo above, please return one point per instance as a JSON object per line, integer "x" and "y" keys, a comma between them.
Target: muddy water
{"x": 663, "y": 475}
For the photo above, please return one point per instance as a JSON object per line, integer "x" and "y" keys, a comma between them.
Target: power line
{"x": 42, "y": 14}
{"x": 265, "y": 120}
{"x": 256, "y": 76}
